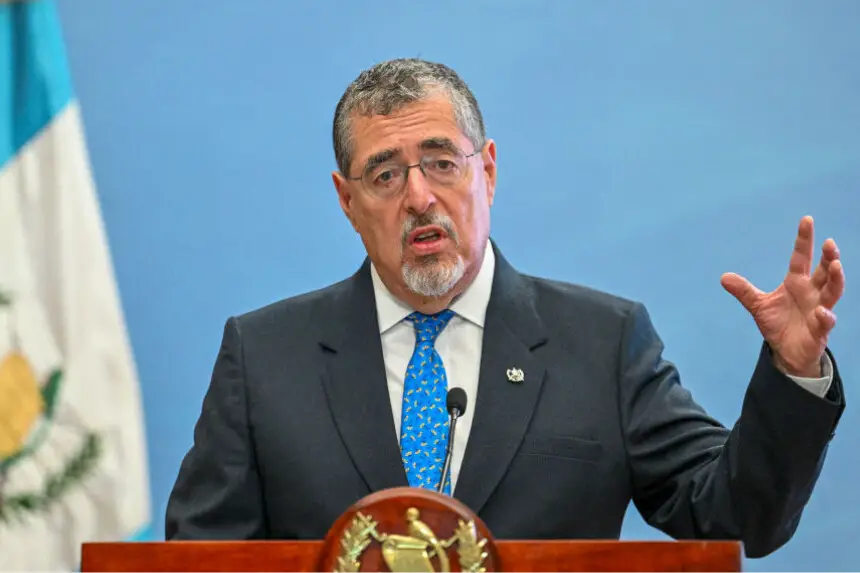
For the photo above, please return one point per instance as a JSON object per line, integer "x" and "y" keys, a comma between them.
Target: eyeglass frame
{"x": 407, "y": 168}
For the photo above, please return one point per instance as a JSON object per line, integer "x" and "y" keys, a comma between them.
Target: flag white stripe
{"x": 67, "y": 313}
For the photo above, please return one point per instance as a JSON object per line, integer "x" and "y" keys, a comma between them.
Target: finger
{"x": 835, "y": 286}
{"x": 829, "y": 253}
{"x": 801, "y": 257}
{"x": 741, "y": 289}
{"x": 826, "y": 319}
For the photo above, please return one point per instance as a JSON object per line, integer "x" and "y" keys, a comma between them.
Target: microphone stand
{"x": 455, "y": 413}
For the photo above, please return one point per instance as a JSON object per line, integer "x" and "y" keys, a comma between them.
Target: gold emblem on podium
{"x": 419, "y": 551}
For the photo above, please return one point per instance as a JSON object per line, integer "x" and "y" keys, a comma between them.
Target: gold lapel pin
{"x": 515, "y": 375}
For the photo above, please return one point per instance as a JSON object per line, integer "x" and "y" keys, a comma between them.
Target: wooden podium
{"x": 408, "y": 529}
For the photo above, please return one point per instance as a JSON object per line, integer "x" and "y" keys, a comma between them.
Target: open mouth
{"x": 427, "y": 240}
{"x": 426, "y": 235}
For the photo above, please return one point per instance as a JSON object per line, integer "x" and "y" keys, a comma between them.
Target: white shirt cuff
{"x": 818, "y": 386}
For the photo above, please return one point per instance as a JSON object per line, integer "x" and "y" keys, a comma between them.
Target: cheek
{"x": 470, "y": 215}
{"x": 471, "y": 207}
{"x": 382, "y": 227}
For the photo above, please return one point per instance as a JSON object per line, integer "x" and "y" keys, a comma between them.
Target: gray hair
{"x": 389, "y": 86}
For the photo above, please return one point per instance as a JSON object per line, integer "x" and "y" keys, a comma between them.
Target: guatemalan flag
{"x": 72, "y": 450}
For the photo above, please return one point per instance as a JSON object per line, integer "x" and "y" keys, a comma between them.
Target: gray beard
{"x": 432, "y": 279}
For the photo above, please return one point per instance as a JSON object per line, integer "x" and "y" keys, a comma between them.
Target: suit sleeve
{"x": 696, "y": 479}
{"x": 217, "y": 494}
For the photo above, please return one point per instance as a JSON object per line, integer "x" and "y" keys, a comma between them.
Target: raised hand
{"x": 797, "y": 317}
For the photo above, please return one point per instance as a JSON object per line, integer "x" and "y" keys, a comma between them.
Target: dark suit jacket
{"x": 297, "y": 426}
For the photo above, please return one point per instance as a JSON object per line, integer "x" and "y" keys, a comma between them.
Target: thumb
{"x": 741, "y": 289}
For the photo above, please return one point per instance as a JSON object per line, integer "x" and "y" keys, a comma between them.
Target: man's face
{"x": 427, "y": 238}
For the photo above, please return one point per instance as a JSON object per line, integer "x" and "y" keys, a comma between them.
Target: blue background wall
{"x": 644, "y": 148}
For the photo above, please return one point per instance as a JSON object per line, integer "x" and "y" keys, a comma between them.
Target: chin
{"x": 434, "y": 275}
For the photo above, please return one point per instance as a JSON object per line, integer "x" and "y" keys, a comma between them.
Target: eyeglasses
{"x": 388, "y": 179}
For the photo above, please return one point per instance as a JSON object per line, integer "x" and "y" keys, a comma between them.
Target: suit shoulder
{"x": 297, "y": 309}
{"x": 577, "y": 298}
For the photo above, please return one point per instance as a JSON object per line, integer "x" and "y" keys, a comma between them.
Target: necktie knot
{"x": 429, "y": 326}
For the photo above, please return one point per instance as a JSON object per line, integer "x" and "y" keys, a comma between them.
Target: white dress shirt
{"x": 459, "y": 345}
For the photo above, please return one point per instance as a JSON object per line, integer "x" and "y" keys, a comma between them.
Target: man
{"x": 321, "y": 399}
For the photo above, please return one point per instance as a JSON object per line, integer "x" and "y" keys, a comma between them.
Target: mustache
{"x": 427, "y": 219}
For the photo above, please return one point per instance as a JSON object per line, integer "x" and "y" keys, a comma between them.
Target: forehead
{"x": 405, "y": 129}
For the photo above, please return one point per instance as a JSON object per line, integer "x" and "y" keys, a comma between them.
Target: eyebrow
{"x": 381, "y": 157}
{"x": 434, "y": 143}
{"x": 440, "y": 143}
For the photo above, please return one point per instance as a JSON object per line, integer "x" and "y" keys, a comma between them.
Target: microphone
{"x": 456, "y": 404}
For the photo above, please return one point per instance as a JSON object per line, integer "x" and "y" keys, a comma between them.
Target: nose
{"x": 419, "y": 193}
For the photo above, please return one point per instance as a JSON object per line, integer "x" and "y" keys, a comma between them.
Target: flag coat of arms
{"x": 72, "y": 450}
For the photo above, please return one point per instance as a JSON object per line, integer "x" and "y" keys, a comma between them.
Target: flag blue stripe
{"x": 143, "y": 534}
{"x": 35, "y": 83}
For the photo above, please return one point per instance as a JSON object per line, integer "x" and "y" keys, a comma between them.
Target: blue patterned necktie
{"x": 424, "y": 417}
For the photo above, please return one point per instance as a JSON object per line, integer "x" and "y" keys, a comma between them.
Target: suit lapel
{"x": 503, "y": 409}
{"x": 356, "y": 386}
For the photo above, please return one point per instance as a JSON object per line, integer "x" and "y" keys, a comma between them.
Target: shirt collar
{"x": 470, "y": 305}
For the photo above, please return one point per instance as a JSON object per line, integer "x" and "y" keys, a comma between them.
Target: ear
{"x": 489, "y": 157}
{"x": 344, "y": 195}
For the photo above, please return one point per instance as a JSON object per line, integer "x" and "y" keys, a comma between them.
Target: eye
{"x": 385, "y": 176}
{"x": 443, "y": 165}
